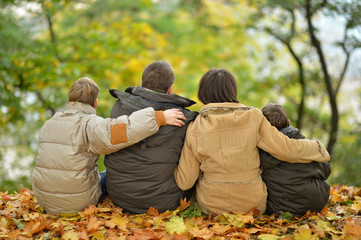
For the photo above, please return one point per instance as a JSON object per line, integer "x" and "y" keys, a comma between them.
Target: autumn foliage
{"x": 22, "y": 218}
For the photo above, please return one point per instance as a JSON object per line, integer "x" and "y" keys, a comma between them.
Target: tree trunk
{"x": 332, "y": 97}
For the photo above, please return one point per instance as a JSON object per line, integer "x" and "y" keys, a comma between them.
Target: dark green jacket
{"x": 294, "y": 187}
{"x": 141, "y": 175}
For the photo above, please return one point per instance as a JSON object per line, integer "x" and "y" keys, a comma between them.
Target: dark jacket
{"x": 141, "y": 175}
{"x": 294, "y": 187}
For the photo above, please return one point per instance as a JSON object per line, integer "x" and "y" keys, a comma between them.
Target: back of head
{"x": 217, "y": 85}
{"x": 158, "y": 76}
{"x": 84, "y": 90}
{"x": 276, "y": 115}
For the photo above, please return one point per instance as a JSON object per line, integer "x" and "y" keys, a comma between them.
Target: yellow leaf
{"x": 120, "y": 222}
{"x": 220, "y": 229}
{"x": 176, "y": 224}
{"x": 70, "y": 235}
{"x": 268, "y": 237}
{"x": 138, "y": 220}
{"x": 98, "y": 235}
{"x": 356, "y": 207}
{"x": 305, "y": 233}
{"x": 203, "y": 233}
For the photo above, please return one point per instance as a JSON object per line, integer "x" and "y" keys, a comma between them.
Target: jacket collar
{"x": 160, "y": 97}
{"x": 78, "y": 106}
{"x": 223, "y": 106}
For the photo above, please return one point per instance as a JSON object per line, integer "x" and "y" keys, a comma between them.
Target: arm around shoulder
{"x": 187, "y": 171}
{"x": 289, "y": 150}
{"x": 112, "y": 134}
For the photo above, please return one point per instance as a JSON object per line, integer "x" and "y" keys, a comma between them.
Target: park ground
{"x": 22, "y": 218}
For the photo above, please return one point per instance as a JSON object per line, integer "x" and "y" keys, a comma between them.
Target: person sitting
{"x": 66, "y": 177}
{"x": 221, "y": 149}
{"x": 293, "y": 188}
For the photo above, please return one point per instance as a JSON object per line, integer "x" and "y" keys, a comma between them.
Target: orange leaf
{"x": 220, "y": 229}
{"x": 83, "y": 235}
{"x": 5, "y": 196}
{"x": 37, "y": 226}
{"x": 93, "y": 224}
{"x": 183, "y": 205}
{"x": 153, "y": 211}
{"x": 14, "y": 234}
{"x": 352, "y": 228}
{"x": 143, "y": 233}
{"x": 91, "y": 210}
{"x": 204, "y": 233}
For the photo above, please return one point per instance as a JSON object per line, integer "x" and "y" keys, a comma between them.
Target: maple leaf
{"x": 36, "y": 226}
{"x": 233, "y": 219}
{"x": 352, "y": 228}
{"x": 5, "y": 196}
{"x": 14, "y": 234}
{"x": 305, "y": 233}
{"x": 143, "y": 233}
{"x": 83, "y": 235}
{"x": 204, "y": 233}
{"x": 93, "y": 224}
{"x": 183, "y": 205}
{"x": 268, "y": 237}
{"x": 152, "y": 211}
{"x": 356, "y": 207}
{"x": 119, "y": 221}
{"x": 175, "y": 224}
{"x": 91, "y": 210}
{"x": 70, "y": 235}
{"x": 220, "y": 229}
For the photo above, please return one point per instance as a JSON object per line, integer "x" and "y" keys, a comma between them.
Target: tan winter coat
{"x": 220, "y": 151}
{"x": 65, "y": 177}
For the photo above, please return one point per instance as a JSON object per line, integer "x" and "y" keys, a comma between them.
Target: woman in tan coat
{"x": 221, "y": 149}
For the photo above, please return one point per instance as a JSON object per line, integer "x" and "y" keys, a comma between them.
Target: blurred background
{"x": 303, "y": 54}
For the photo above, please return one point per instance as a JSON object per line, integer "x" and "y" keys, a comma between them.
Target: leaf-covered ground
{"x": 22, "y": 218}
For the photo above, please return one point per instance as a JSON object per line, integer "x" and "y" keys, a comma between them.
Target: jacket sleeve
{"x": 187, "y": 171}
{"x": 112, "y": 134}
{"x": 289, "y": 150}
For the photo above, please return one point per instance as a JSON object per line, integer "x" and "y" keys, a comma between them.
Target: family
{"x": 228, "y": 157}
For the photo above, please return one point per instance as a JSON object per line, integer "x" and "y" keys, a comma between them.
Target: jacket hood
{"x": 292, "y": 132}
{"x": 224, "y": 106}
{"x": 83, "y": 107}
{"x": 154, "y": 96}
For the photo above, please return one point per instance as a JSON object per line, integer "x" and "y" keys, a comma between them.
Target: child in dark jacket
{"x": 292, "y": 187}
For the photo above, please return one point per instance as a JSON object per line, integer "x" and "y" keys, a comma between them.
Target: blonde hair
{"x": 84, "y": 90}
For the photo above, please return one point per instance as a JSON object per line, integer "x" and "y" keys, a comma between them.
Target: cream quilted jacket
{"x": 65, "y": 177}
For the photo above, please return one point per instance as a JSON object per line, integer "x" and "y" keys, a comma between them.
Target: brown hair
{"x": 217, "y": 85}
{"x": 84, "y": 90}
{"x": 276, "y": 115}
{"x": 158, "y": 76}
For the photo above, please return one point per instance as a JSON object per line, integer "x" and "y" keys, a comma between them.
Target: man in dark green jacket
{"x": 141, "y": 175}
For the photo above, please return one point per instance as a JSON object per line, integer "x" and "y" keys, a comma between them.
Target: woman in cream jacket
{"x": 221, "y": 149}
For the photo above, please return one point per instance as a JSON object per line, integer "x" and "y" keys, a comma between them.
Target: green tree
{"x": 286, "y": 13}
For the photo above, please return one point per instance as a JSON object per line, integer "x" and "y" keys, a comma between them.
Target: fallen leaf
{"x": 220, "y": 229}
{"x": 153, "y": 211}
{"x": 176, "y": 224}
{"x": 93, "y": 224}
{"x": 183, "y": 205}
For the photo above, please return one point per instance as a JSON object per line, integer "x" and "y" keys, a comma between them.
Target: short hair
{"x": 276, "y": 115}
{"x": 217, "y": 85}
{"x": 84, "y": 90}
{"x": 158, "y": 76}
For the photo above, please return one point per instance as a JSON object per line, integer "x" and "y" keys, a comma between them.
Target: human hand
{"x": 174, "y": 117}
